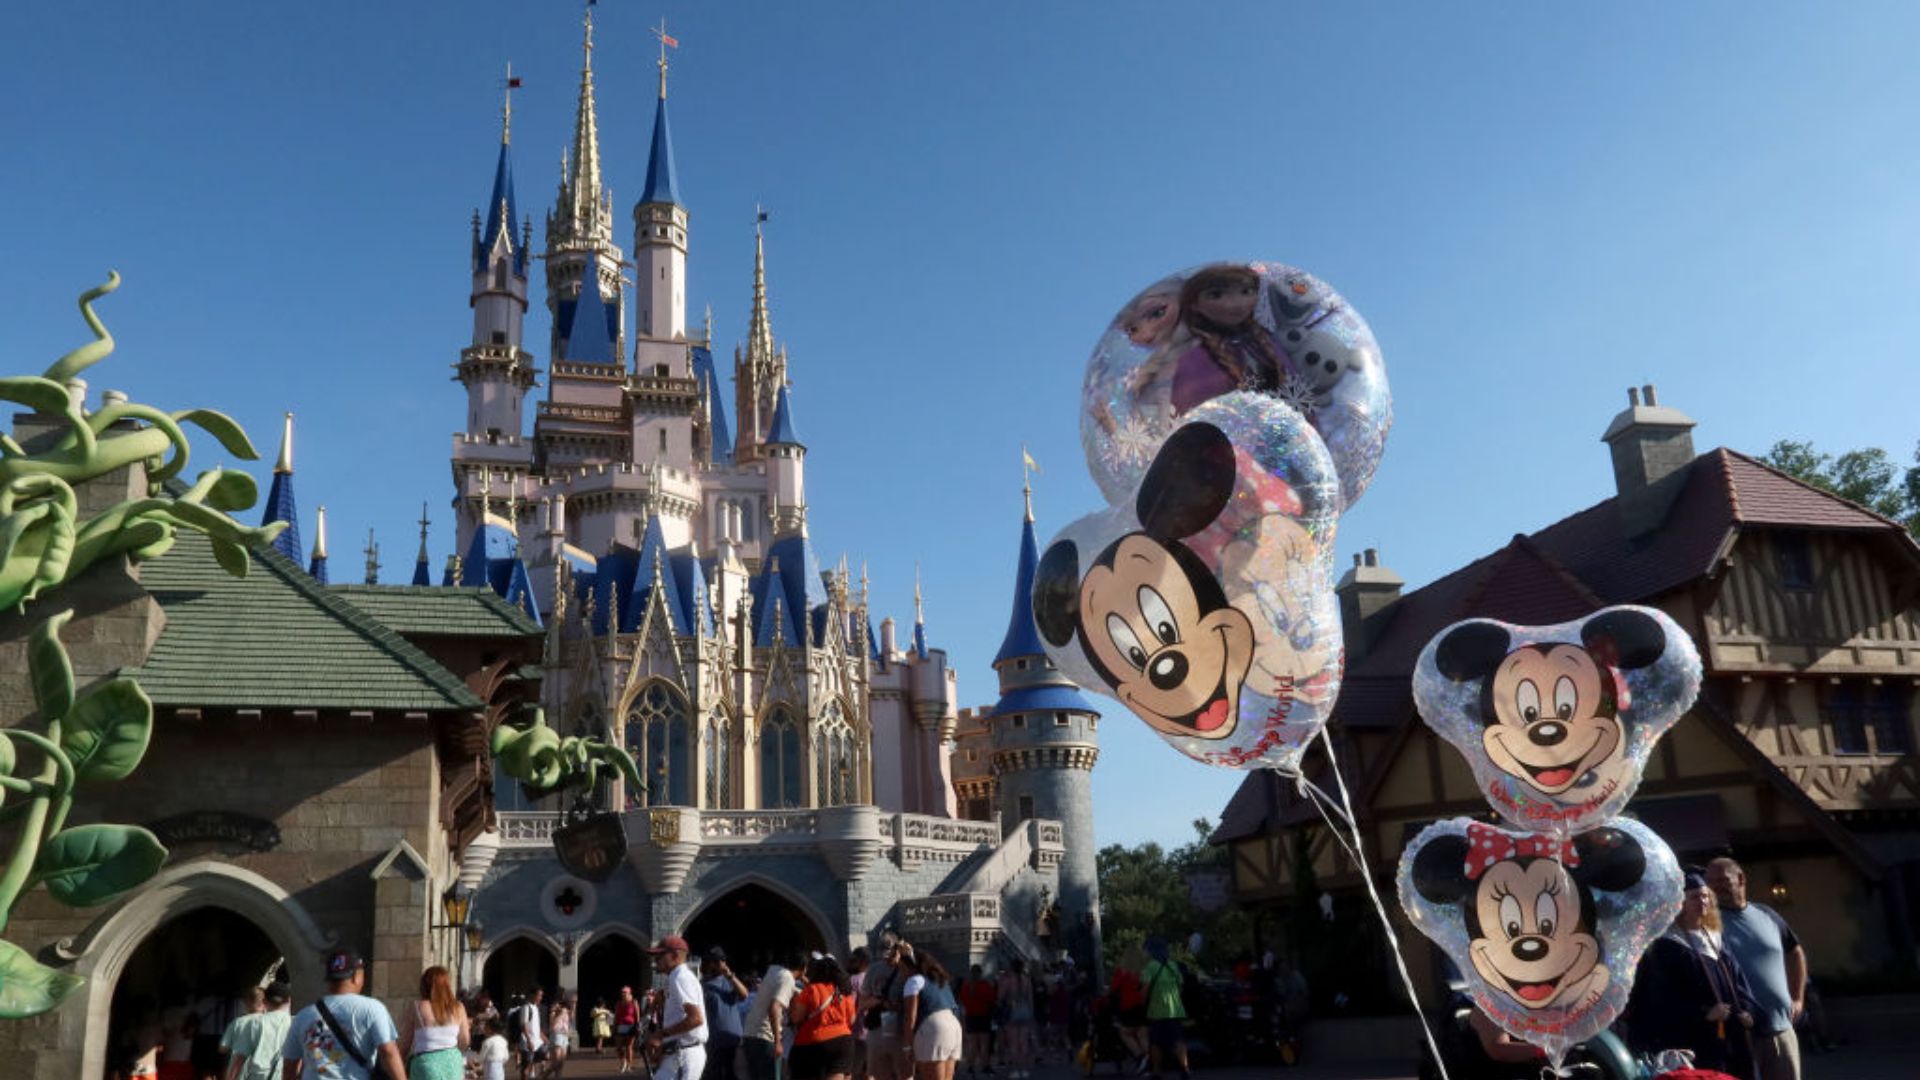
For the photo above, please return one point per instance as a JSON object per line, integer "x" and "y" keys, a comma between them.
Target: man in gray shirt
{"x": 1775, "y": 965}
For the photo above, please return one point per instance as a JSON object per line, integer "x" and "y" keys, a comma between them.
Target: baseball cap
{"x": 342, "y": 965}
{"x": 670, "y": 943}
{"x": 278, "y": 994}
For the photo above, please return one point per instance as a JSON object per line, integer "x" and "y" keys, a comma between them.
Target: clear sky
{"x": 1536, "y": 206}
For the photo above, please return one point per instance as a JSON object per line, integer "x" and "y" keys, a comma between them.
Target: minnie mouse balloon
{"x": 1204, "y": 603}
{"x": 1557, "y": 721}
{"x": 1215, "y": 329}
{"x": 1546, "y": 929}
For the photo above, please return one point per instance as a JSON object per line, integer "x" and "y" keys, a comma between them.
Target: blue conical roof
{"x": 421, "y": 574}
{"x": 281, "y": 507}
{"x": 317, "y": 569}
{"x": 501, "y": 214}
{"x": 783, "y": 421}
{"x": 589, "y": 335}
{"x": 661, "y": 184}
{"x": 1023, "y": 637}
{"x": 798, "y": 587}
{"x": 703, "y": 370}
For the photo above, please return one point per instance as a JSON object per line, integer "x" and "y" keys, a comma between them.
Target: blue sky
{"x": 1535, "y": 206}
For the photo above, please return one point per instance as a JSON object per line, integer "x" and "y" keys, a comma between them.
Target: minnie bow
{"x": 1487, "y": 846}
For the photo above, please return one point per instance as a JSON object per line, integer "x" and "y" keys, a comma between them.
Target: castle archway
{"x": 758, "y": 925}
{"x": 609, "y": 962}
{"x": 517, "y": 967}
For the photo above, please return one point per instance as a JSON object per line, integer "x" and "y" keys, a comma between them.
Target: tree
{"x": 1144, "y": 893}
{"x": 1867, "y": 476}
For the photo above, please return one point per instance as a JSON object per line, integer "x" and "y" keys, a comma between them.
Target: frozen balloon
{"x": 1557, "y": 721}
{"x": 1545, "y": 928}
{"x": 1204, "y": 602}
{"x": 1262, "y": 327}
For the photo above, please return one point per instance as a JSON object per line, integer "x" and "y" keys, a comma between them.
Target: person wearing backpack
{"x": 1166, "y": 1012}
{"x": 343, "y": 1035}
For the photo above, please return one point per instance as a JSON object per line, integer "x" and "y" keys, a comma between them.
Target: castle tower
{"x": 496, "y": 370}
{"x": 280, "y": 504}
{"x": 759, "y": 373}
{"x": 1045, "y": 743}
{"x": 580, "y": 226}
{"x": 660, "y": 242}
{"x": 786, "y": 469}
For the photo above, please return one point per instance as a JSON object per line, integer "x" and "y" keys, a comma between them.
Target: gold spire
{"x": 919, "y": 604}
{"x": 760, "y": 334}
{"x": 582, "y": 212}
{"x": 320, "y": 533}
{"x": 285, "y": 464}
{"x": 506, "y": 110}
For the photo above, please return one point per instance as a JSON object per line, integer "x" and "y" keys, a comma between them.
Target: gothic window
{"x": 500, "y": 275}
{"x": 836, "y": 766}
{"x": 660, "y": 737}
{"x": 719, "y": 763}
{"x": 782, "y": 785}
{"x": 747, "y": 518}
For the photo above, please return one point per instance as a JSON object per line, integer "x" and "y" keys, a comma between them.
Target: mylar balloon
{"x": 1205, "y": 602}
{"x": 1545, "y": 928}
{"x": 1205, "y": 332}
{"x": 1557, "y": 721}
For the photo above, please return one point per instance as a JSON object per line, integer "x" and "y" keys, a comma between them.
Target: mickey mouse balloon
{"x": 1224, "y": 327}
{"x": 1546, "y": 929}
{"x": 1204, "y": 603}
{"x": 1557, "y": 721}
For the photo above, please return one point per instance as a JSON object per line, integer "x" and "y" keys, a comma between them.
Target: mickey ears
{"x": 1056, "y": 593}
{"x": 1189, "y": 483}
{"x": 1472, "y": 650}
{"x": 1637, "y": 638}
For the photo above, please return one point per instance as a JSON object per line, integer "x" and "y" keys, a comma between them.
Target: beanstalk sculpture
{"x": 99, "y": 736}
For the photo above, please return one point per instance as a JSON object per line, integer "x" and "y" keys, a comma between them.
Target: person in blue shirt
{"x": 342, "y": 1036}
{"x": 724, "y": 994}
{"x": 1775, "y": 964}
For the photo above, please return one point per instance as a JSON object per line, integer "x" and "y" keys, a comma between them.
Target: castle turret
{"x": 317, "y": 567}
{"x": 280, "y": 505}
{"x": 759, "y": 372}
{"x": 496, "y": 370}
{"x": 580, "y": 227}
{"x": 660, "y": 239}
{"x": 786, "y": 459}
{"x": 1045, "y": 744}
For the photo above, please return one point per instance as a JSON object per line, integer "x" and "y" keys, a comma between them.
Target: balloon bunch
{"x": 1231, "y": 414}
{"x": 1546, "y": 919}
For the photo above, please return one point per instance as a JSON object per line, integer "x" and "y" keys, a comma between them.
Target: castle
{"x": 800, "y": 768}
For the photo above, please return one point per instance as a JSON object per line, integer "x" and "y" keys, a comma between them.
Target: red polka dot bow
{"x": 1487, "y": 846}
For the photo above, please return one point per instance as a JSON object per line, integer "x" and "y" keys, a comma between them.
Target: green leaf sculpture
{"x": 44, "y": 542}
{"x": 537, "y": 756}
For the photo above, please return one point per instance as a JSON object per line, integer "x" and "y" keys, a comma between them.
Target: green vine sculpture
{"x": 540, "y": 758}
{"x": 43, "y": 540}
{"x": 101, "y": 735}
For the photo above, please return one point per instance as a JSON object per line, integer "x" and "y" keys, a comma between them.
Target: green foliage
{"x": 1868, "y": 476}
{"x": 44, "y": 542}
{"x": 537, "y": 756}
{"x": 1144, "y": 893}
{"x": 29, "y": 988}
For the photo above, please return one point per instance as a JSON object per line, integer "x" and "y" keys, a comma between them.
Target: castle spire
{"x": 919, "y": 617}
{"x": 501, "y": 211}
{"x": 317, "y": 568}
{"x": 662, "y": 186}
{"x": 372, "y": 552}
{"x": 281, "y": 505}
{"x": 582, "y": 211}
{"x": 421, "y": 574}
{"x": 760, "y": 334}
{"x": 1023, "y": 636}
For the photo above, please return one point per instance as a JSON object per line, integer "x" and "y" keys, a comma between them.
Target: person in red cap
{"x": 682, "y": 1037}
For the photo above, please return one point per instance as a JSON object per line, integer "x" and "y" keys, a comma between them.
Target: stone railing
{"x": 756, "y": 826}
{"x": 960, "y": 915}
{"x": 527, "y": 828}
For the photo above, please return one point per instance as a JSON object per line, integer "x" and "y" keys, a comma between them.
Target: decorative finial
{"x": 666, "y": 42}
{"x": 285, "y": 464}
{"x": 373, "y": 560}
{"x": 320, "y": 533}
{"x": 919, "y": 602}
{"x": 423, "y": 531}
{"x": 760, "y": 330}
{"x": 1028, "y": 467}
{"x": 709, "y": 325}
{"x": 506, "y": 110}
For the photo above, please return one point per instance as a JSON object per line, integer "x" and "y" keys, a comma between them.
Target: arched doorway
{"x": 609, "y": 963}
{"x": 190, "y": 969}
{"x": 516, "y": 968}
{"x": 757, "y": 926}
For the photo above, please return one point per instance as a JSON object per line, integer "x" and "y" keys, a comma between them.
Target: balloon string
{"x": 1379, "y": 906}
{"x": 1324, "y": 803}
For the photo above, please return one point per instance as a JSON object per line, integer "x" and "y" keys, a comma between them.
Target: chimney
{"x": 888, "y": 644}
{"x": 1652, "y": 445}
{"x": 1365, "y": 591}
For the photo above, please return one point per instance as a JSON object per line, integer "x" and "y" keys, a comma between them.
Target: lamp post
{"x": 456, "y": 905}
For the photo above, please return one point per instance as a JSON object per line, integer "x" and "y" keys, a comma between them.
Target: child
{"x": 493, "y": 1052}
{"x": 602, "y": 1026}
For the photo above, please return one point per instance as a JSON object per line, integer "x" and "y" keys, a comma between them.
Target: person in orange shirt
{"x": 822, "y": 1019}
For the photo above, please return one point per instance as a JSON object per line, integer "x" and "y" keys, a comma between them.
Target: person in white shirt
{"x": 533, "y": 1045}
{"x": 682, "y": 1037}
{"x": 493, "y": 1052}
